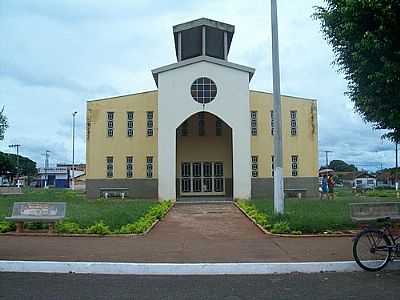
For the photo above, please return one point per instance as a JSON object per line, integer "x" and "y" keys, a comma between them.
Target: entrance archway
{"x": 204, "y": 167}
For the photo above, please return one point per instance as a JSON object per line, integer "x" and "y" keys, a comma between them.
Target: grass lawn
{"x": 315, "y": 215}
{"x": 113, "y": 213}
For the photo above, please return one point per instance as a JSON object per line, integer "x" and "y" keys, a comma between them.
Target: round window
{"x": 203, "y": 90}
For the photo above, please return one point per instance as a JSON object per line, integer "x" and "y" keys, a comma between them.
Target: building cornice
{"x": 202, "y": 58}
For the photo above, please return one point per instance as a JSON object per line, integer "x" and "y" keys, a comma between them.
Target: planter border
{"x": 352, "y": 234}
{"x": 124, "y": 235}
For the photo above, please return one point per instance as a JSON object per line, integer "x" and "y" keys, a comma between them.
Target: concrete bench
{"x": 299, "y": 193}
{"x": 114, "y": 192}
{"x": 10, "y": 190}
{"x": 41, "y": 212}
{"x": 372, "y": 211}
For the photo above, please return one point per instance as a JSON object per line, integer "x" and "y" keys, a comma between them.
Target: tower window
{"x": 293, "y": 122}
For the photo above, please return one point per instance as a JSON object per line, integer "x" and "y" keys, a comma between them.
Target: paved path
{"x": 327, "y": 286}
{"x": 189, "y": 233}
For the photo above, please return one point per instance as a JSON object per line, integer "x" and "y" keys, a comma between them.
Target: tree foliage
{"x": 8, "y": 165}
{"x": 3, "y": 124}
{"x": 364, "y": 35}
{"x": 341, "y": 166}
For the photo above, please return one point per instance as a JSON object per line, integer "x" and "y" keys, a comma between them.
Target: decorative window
{"x": 293, "y": 122}
{"x": 203, "y": 90}
{"x": 218, "y": 177}
{"x": 254, "y": 166}
{"x": 149, "y": 166}
{"x": 218, "y": 127}
{"x": 272, "y": 166}
{"x": 130, "y": 123}
{"x": 110, "y": 166}
{"x": 201, "y": 124}
{"x": 110, "y": 123}
{"x": 295, "y": 159}
{"x": 253, "y": 118}
{"x": 150, "y": 123}
{"x": 129, "y": 166}
{"x": 272, "y": 122}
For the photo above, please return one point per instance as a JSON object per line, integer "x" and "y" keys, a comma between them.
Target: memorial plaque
{"x": 38, "y": 210}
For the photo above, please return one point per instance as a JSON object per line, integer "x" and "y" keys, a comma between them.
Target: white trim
{"x": 182, "y": 269}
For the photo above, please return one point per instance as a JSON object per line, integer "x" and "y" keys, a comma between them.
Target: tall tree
{"x": 341, "y": 166}
{"x": 3, "y": 124}
{"x": 364, "y": 35}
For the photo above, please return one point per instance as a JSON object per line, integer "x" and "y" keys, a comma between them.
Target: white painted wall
{"x": 175, "y": 104}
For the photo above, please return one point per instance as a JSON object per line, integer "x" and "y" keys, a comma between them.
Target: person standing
{"x": 331, "y": 186}
{"x": 324, "y": 187}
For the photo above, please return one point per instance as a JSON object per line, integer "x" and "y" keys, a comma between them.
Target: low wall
{"x": 137, "y": 188}
{"x": 264, "y": 187}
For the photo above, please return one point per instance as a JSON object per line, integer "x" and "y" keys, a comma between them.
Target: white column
{"x": 241, "y": 162}
{"x": 166, "y": 160}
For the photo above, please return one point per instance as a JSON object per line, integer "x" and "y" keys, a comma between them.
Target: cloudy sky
{"x": 55, "y": 55}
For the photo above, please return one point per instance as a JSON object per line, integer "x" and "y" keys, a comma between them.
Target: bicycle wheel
{"x": 371, "y": 249}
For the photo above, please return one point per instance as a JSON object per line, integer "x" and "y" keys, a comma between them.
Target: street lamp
{"x": 73, "y": 150}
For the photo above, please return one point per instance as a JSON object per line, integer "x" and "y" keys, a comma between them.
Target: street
{"x": 359, "y": 285}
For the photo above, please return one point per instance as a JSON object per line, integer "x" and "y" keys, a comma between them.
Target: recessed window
{"x": 149, "y": 166}
{"x": 293, "y": 122}
{"x": 254, "y": 166}
{"x": 150, "y": 123}
{"x": 253, "y": 124}
{"x": 110, "y": 166}
{"x": 295, "y": 161}
{"x": 129, "y": 166}
{"x": 203, "y": 90}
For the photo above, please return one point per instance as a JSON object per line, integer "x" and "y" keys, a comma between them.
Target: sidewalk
{"x": 189, "y": 233}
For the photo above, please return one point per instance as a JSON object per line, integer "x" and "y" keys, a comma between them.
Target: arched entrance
{"x": 204, "y": 168}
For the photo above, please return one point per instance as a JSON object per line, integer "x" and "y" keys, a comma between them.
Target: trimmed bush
{"x": 281, "y": 227}
{"x": 99, "y": 228}
{"x": 6, "y": 226}
{"x": 68, "y": 227}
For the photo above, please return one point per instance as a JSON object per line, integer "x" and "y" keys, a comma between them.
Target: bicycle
{"x": 373, "y": 248}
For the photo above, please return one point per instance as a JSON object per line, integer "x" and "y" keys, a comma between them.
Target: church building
{"x": 202, "y": 134}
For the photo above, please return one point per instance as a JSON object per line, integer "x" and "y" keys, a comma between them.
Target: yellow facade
{"x": 304, "y": 144}
{"x": 139, "y": 146}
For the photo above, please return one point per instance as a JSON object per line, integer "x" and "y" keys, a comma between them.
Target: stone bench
{"x": 41, "y": 212}
{"x": 299, "y": 193}
{"x": 114, "y": 192}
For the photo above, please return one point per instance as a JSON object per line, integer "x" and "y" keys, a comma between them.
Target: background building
{"x": 202, "y": 133}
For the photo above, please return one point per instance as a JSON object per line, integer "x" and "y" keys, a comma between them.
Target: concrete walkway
{"x": 189, "y": 233}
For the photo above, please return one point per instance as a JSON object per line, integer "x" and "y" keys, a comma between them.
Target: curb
{"x": 182, "y": 269}
{"x": 331, "y": 235}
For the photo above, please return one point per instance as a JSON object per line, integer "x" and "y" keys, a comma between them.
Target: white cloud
{"x": 59, "y": 55}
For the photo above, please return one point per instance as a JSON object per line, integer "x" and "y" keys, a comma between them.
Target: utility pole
{"x": 326, "y": 157}
{"x": 278, "y": 147}
{"x": 17, "y": 148}
{"x": 46, "y": 166}
{"x": 73, "y": 150}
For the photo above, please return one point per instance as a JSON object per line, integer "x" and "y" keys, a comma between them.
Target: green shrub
{"x": 99, "y": 228}
{"x": 281, "y": 227}
{"x": 68, "y": 227}
{"x": 155, "y": 213}
{"x": 6, "y": 226}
